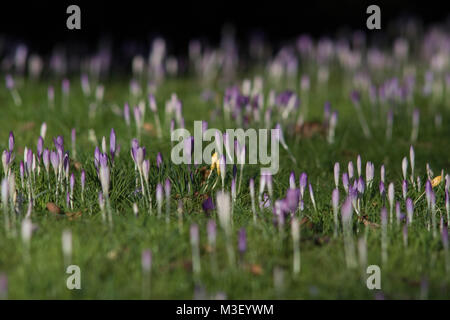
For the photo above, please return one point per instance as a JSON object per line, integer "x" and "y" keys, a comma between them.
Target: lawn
{"x": 110, "y": 252}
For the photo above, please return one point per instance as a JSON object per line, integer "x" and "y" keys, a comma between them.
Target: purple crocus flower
{"x": 336, "y": 174}
{"x": 126, "y": 114}
{"x": 292, "y": 198}
{"x": 40, "y": 146}
{"x": 208, "y": 205}
{"x": 159, "y": 160}
{"x": 46, "y": 159}
{"x": 292, "y": 180}
{"x": 428, "y": 192}
{"x": 72, "y": 182}
{"x": 54, "y": 160}
{"x": 350, "y": 170}
{"x": 404, "y": 188}
{"x": 104, "y": 174}
{"x": 83, "y": 179}
{"x": 11, "y": 141}
{"x": 242, "y": 243}
{"x": 303, "y": 181}
{"x": 346, "y": 210}
{"x": 345, "y": 181}
{"x": 112, "y": 144}
{"x": 384, "y": 216}
{"x": 409, "y": 209}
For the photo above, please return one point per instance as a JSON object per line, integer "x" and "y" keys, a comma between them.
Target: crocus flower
{"x": 370, "y": 172}
{"x": 409, "y": 209}
{"x": 336, "y": 174}
{"x": 40, "y": 146}
{"x": 211, "y": 233}
{"x": 159, "y": 197}
{"x": 404, "y": 167}
{"x": 242, "y": 243}
{"x": 208, "y": 205}
{"x": 358, "y": 165}
{"x": 104, "y": 174}
{"x": 11, "y": 141}
{"x": 126, "y": 114}
{"x": 391, "y": 199}
{"x": 350, "y": 170}
{"x": 303, "y": 181}
{"x": 345, "y": 181}
{"x": 292, "y": 198}
{"x": 382, "y": 173}
{"x": 159, "y": 160}
{"x": 292, "y": 180}
{"x": 112, "y": 144}
{"x": 311, "y": 194}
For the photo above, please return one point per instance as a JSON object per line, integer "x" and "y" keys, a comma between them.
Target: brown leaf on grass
{"x": 73, "y": 215}
{"x": 305, "y": 221}
{"x": 149, "y": 128}
{"x": 255, "y": 269}
{"x": 76, "y": 164}
{"x": 366, "y": 222}
{"x": 53, "y": 208}
{"x": 310, "y": 129}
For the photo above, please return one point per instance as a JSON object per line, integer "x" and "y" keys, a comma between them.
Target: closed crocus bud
{"x": 382, "y": 173}
{"x": 335, "y": 199}
{"x": 6, "y": 156}
{"x": 361, "y": 186}
{"x": 370, "y": 172}
{"x": 72, "y": 182}
{"x": 83, "y": 179}
{"x": 22, "y": 170}
{"x": 146, "y": 169}
{"x": 404, "y": 167}
{"x": 350, "y": 170}
{"x": 223, "y": 210}
{"x": 412, "y": 159}
{"x": 126, "y": 114}
{"x": 404, "y": 188}
{"x": 29, "y": 161}
{"x": 159, "y": 194}
{"x": 54, "y": 160}
{"x": 382, "y": 189}
{"x": 104, "y": 174}
{"x": 73, "y": 136}
{"x": 303, "y": 181}
{"x": 428, "y": 192}
{"x": 409, "y": 209}
{"x": 159, "y": 160}
{"x": 292, "y": 180}
{"x": 104, "y": 144}
{"x": 222, "y": 165}
{"x": 358, "y": 165}
{"x": 112, "y": 144}
{"x": 40, "y": 146}
{"x": 447, "y": 203}
{"x": 43, "y": 130}
{"x": 242, "y": 243}
{"x": 46, "y": 159}
{"x": 391, "y": 194}
{"x": 336, "y": 174}
{"x": 167, "y": 187}
{"x": 345, "y": 181}
{"x": 11, "y": 141}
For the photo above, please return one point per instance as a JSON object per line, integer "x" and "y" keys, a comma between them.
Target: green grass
{"x": 110, "y": 259}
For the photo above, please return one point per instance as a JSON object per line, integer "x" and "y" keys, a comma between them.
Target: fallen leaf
{"x": 436, "y": 181}
{"x": 148, "y": 127}
{"x": 256, "y": 269}
{"x": 310, "y": 129}
{"x": 73, "y": 215}
{"x": 53, "y": 208}
{"x": 366, "y": 222}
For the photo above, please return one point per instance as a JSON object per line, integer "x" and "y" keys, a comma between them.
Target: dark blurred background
{"x": 42, "y": 24}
